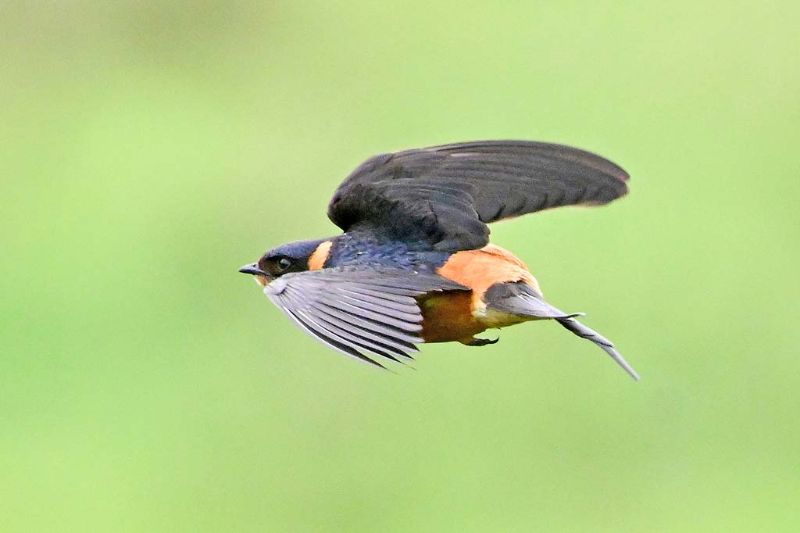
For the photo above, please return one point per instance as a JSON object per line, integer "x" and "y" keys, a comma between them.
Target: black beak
{"x": 252, "y": 269}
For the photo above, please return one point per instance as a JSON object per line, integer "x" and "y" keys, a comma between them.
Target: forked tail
{"x": 588, "y": 333}
{"x": 523, "y": 300}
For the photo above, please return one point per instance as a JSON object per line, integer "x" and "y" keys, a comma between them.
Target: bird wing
{"x": 359, "y": 310}
{"x": 444, "y": 196}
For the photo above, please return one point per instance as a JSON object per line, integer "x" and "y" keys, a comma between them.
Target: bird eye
{"x": 283, "y": 263}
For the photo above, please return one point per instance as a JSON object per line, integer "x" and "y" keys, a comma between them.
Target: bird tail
{"x": 585, "y": 332}
{"x": 521, "y": 299}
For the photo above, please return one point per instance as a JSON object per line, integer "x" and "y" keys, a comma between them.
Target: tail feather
{"x": 588, "y": 333}
{"x": 521, "y": 299}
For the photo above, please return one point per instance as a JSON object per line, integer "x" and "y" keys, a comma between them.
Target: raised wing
{"x": 442, "y": 197}
{"x": 359, "y": 311}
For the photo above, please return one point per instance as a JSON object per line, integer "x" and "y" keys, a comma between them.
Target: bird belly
{"x": 457, "y": 316}
{"x": 448, "y": 317}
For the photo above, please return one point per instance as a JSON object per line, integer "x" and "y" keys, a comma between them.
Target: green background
{"x": 147, "y": 150}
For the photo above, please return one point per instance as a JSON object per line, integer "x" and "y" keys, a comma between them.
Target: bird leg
{"x": 475, "y": 341}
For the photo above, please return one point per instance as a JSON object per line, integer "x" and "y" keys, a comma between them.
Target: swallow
{"x": 414, "y": 263}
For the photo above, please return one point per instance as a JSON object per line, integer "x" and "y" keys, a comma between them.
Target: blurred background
{"x": 148, "y": 149}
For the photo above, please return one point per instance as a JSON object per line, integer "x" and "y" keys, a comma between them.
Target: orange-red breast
{"x": 414, "y": 263}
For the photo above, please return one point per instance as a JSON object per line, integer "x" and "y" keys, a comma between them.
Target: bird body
{"x": 479, "y": 270}
{"x": 414, "y": 263}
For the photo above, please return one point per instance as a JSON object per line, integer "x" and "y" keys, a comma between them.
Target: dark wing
{"x": 444, "y": 196}
{"x": 358, "y": 310}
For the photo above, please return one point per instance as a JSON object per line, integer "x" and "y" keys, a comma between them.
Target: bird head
{"x": 286, "y": 258}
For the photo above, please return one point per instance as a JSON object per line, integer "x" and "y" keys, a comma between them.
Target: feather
{"x": 359, "y": 310}
{"x": 444, "y": 196}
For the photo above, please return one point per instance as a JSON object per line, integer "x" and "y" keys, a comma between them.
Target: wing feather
{"x": 444, "y": 196}
{"x": 359, "y": 311}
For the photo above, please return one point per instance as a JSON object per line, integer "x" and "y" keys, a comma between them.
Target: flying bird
{"x": 414, "y": 263}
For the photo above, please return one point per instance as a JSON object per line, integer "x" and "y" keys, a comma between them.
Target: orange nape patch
{"x": 480, "y": 269}
{"x": 316, "y": 261}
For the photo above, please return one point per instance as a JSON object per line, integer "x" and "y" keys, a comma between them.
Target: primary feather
{"x": 444, "y": 196}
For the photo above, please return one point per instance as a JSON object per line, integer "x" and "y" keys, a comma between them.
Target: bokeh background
{"x": 148, "y": 149}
